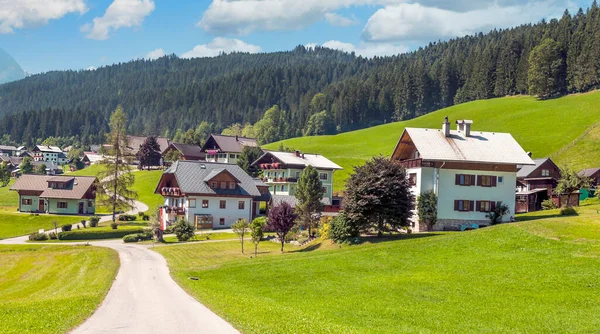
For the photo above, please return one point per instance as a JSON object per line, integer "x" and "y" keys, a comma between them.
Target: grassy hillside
{"x": 542, "y": 127}
{"x": 507, "y": 281}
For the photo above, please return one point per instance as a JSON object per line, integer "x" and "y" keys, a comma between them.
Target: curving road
{"x": 144, "y": 298}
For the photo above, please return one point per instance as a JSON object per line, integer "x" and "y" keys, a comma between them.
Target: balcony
{"x": 411, "y": 163}
{"x": 171, "y": 192}
{"x": 278, "y": 179}
{"x": 176, "y": 210}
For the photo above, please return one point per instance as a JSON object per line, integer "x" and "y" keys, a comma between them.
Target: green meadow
{"x": 52, "y": 289}
{"x": 563, "y": 129}
{"x": 536, "y": 276}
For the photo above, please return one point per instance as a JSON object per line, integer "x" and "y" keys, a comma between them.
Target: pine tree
{"x": 309, "y": 193}
{"x": 116, "y": 177}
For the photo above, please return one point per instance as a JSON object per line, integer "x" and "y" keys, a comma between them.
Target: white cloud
{"x": 368, "y": 50}
{"x": 414, "y": 22}
{"x": 18, "y": 14}
{"x": 155, "y": 54}
{"x": 91, "y": 68}
{"x": 220, "y": 45}
{"x": 339, "y": 20}
{"x": 310, "y": 45}
{"x": 120, "y": 14}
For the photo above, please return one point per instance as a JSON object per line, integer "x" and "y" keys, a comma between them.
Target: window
{"x": 282, "y": 188}
{"x": 222, "y": 155}
{"x": 26, "y": 201}
{"x": 231, "y": 185}
{"x": 322, "y": 176}
{"x": 545, "y": 172}
{"x": 223, "y": 185}
{"x": 60, "y": 185}
{"x": 412, "y": 179}
{"x": 484, "y": 206}
{"x": 241, "y": 205}
{"x": 61, "y": 205}
{"x": 213, "y": 185}
{"x": 221, "y": 221}
{"x": 192, "y": 203}
{"x": 90, "y": 204}
{"x": 297, "y": 175}
{"x": 486, "y": 181}
{"x": 500, "y": 179}
{"x": 232, "y": 156}
{"x": 465, "y": 180}
{"x": 204, "y": 203}
{"x": 222, "y": 204}
{"x": 463, "y": 205}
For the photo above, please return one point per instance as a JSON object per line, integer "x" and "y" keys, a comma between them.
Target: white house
{"x": 49, "y": 154}
{"x": 209, "y": 195}
{"x": 471, "y": 172}
{"x": 226, "y": 149}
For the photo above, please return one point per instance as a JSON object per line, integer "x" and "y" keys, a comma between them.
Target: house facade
{"x": 282, "y": 170}
{"x": 209, "y": 195}
{"x": 56, "y": 194}
{"x": 49, "y": 154}
{"x": 535, "y": 184}
{"x": 471, "y": 172}
{"x": 226, "y": 149}
{"x": 593, "y": 174}
{"x": 9, "y": 151}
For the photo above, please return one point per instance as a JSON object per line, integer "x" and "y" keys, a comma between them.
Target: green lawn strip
{"x": 51, "y": 289}
{"x": 14, "y": 224}
{"x": 145, "y": 184}
{"x": 507, "y": 278}
{"x": 542, "y": 127}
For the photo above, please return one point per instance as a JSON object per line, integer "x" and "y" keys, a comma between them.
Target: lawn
{"x": 14, "y": 224}
{"x": 533, "y": 276}
{"x": 542, "y": 127}
{"x": 51, "y": 289}
{"x": 145, "y": 183}
{"x": 8, "y": 197}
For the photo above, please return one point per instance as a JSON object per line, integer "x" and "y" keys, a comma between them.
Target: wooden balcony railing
{"x": 411, "y": 163}
{"x": 171, "y": 192}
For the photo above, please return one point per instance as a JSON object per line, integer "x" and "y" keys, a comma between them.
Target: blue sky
{"x": 44, "y": 35}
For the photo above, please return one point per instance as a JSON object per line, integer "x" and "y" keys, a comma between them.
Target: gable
{"x": 405, "y": 148}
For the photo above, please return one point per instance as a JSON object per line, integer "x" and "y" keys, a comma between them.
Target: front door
{"x": 80, "y": 208}
{"x": 41, "y": 206}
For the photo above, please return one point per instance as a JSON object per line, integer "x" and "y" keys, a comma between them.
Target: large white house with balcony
{"x": 281, "y": 171}
{"x": 471, "y": 172}
{"x": 209, "y": 195}
{"x": 226, "y": 149}
{"x": 49, "y": 154}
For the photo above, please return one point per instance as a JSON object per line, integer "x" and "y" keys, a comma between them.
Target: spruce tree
{"x": 309, "y": 193}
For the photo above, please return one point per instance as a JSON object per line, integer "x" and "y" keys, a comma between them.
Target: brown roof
{"x": 136, "y": 141}
{"x": 81, "y": 185}
{"x": 193, "y": 151}
{"x": 589, "y": 172}
{"x": 233, "y": 144}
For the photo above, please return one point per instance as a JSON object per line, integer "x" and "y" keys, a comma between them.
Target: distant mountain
{"x": 9, "y": 68}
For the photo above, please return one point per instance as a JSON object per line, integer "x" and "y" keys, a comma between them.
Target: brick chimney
{"x": 446, "y": 127}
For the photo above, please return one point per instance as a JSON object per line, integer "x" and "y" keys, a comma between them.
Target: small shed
{"x": 530, "y": 200}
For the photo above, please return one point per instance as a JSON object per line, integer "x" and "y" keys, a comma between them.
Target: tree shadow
{"x": 374, "y": 239}
{"x": 310, "y": 248}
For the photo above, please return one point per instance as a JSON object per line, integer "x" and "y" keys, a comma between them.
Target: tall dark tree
{"x": 378, "y": 196}
{"x": 249, "y": 155}
{"x": 309, "y": 193}
{"x": 149, "y": 153}
{"x": 547, "y": 76}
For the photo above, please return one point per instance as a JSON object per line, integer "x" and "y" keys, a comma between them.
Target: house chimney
{"x": 529, "y": 154}
{"x": 297, "y": 153}
{"x": 446, "y": 127}
{"x": 236, "y": 137}
{"x": 460, "y": 125}
{"x": 467, "y": 127}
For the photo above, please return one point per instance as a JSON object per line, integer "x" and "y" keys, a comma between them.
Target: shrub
{"x": 183, "y": 230}
{"x": 342, "y": 229}
{"x": 141, "y": 214}
{"x": 38, "y": 237}
{"x": 114, "y": 225}
{"x": 169, "y": 229}
{"x": 66, "y": 228}
{"x": 128, "y": 218}
{"x": 52, "y": 236}
{"x": 568, "y": 211}
{"x": 495, "y": 215}
{"x": 138, "y": 237}
{"x": 99, "y": 233}
{"x": 145, "y": 218}
{"x": 94, "y": 221}
{"x": 548, "y": 204}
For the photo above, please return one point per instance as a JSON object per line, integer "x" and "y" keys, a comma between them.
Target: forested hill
{"x": 547, "y": 59}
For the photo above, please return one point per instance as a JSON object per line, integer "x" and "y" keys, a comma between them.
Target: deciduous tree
{"x": 241, "y": 228}
{"x": 4, "y": 175}
{"x": 26, "y": 166}
{"x": 149, "y": 153}
{"x": 282, "y": 219}
{"x": 256, "y": 232}
{"x": 547, "y": 72}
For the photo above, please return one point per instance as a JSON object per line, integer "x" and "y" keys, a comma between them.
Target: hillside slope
{"x": 542, "y": 127}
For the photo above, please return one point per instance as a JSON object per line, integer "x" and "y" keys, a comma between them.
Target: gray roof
{"x": 292, "y": 200}
{"x": 188, "y": 150}
{"x": 588, "y": 172}
{"x": 526, "y": 170}
{"x": 231, "y": 143}
{"x": 192, "y": 176}
{"x": 478, "y": 147}
{"x": 7, "y": 148}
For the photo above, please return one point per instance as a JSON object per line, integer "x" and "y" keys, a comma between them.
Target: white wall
{"x": 448, "y": 192}
{"x": 231, "y": 213}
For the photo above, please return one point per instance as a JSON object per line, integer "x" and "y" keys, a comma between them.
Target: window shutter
{"x": 472, "y": 180}
{"x": 479, "y": 180}
{"x": 494, "y": 181}
{"x": 455, "y": 205}
{"x": 471, "y": 205}
{"x": 457, "y": 180}
{"x": 477, "y": 206}
{"x": 492, "y": 205}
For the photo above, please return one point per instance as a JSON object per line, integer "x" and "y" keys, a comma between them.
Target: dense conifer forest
{"x": 315, "y": 91}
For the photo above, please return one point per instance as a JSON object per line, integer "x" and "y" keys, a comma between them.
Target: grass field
{"x": 533, "y": 276}
{"x": 145, "y": 183}
{"x": 8, "y": 197}
{"x": 51, "y": 289}
{"x": 542, "y": 127}
{"x": 14, "y": 224}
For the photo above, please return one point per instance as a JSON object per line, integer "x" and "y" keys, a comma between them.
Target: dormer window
{"x": 232, "y": 185}
{"x": 213, "y": 185}
{"x": 223, "y": 185}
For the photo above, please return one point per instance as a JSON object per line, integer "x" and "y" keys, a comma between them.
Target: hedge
{"x": 138, "y": 237}
{"x": 100, "y": 233}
